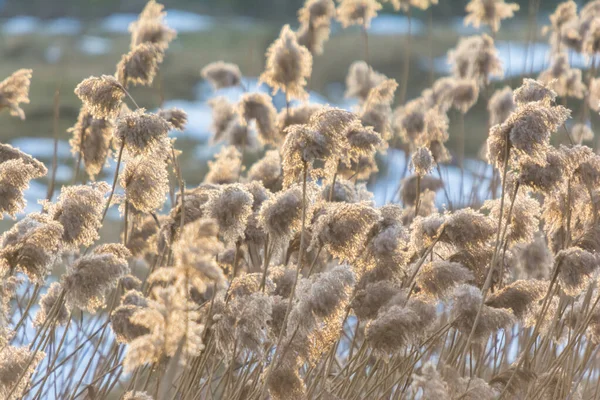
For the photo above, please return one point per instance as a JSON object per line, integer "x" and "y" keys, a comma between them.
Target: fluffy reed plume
{"x": 7, "y": 152}
{"x": 563, "y": 17}
{"x": 184, "y": 213}
{"x": 15, "y": 176}
{"x": 501, "y": 105}
{"x": 315, "y": 19}
{"x": 288, "y": 65}
{"x": 286, "y": 384}
{"x": 475, "y": 57}
{"x": 576, "y": 267}
{"x": 315, "y": 10}
{"x": 554, "y": 385}
{"x": 281, "y": 215}
{"x": 8, "y": 289}
{"x": 146, "y": 182}
{"x": 227, "y": 125}
{"x": 322, "y": 139}
{"x": 527, "y": 130}
{"x": 137, "y": 395}
{"x": 222, "y": 75}
{"x": 513, "y": 380}
{"x": 357, "y": 12}
{"x": 31, "y": 246}
{"x": 268, "y": 171}
{"x": 317, "y": 318}
{"x": 361, "y": 79}
{"x": 469, "y": 388}
{"x": 123, "y": 325}
{"x": 489, "y": 12}
{"x": 313, "y": 37}
{"x": 409, "y": 122}
{"x": 346, "y": 191}
{"x": 465, "y": 94}
{"x": 240, "y": 324}
{"x": 521, "y": 297}
{"x": 15, "y": 90}
{"x": 142, "y": 238}
{"x": 377, "y": 110}
{"x": 440, "y": 94}
{"x": 79, "y": 210}
{"x": 466, "y": 301}
{"x": 259, "y": 107}
{"x": 173, "y": 328}
{"x": 90, "y": 277}
{"x": 430, "y": 382}
{"x": 17, "y": 365}
{"x": 343, "y": 228}
{"x": 130, "y": 282}
{"x": 560, "y": 77}
{"x": 325, "y": 293}
{"x": 405, "y": 5}
{"x": 230, "y": 207}
{"x": 593, "y": 98}
{"x": 226, "y": 167}
{"x": 91, "y": 138}
{"x": 297, "y": 283}
{"x": 398, "y": 325}
{"x": 296, "y": 115}
{"x": 102, "y": 96}
{"x": 422, "y": 161}
{"x": 141, "y": 132}
{"x": 408, "y": 190}
{"x": 532, "y": 91}
{"x": 48, "y": 303}
{"x": 534, "y": 260}
{"x": 174, "y": 116}
{"x": 438, "y": 277}
{"x": 547, "y": 178}
{"x": 368, "y": 301}
{"x": 363, "y": 141}
{"x": 524, "y": 219}
{"x": 140, "y": 65}
{"x": 223, "y": 114}
{"x": 150, "y": 27}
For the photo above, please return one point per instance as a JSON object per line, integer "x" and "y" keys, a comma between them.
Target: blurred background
{"x": 65, "y": 41}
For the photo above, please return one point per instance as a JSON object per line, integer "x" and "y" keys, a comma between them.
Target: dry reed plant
{"x": 283, "y": 280}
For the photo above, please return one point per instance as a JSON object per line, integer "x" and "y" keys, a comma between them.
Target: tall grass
{"x": 282, "y": 279}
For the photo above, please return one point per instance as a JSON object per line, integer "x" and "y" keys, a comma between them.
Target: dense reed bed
{"x": 282, "y": 279}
